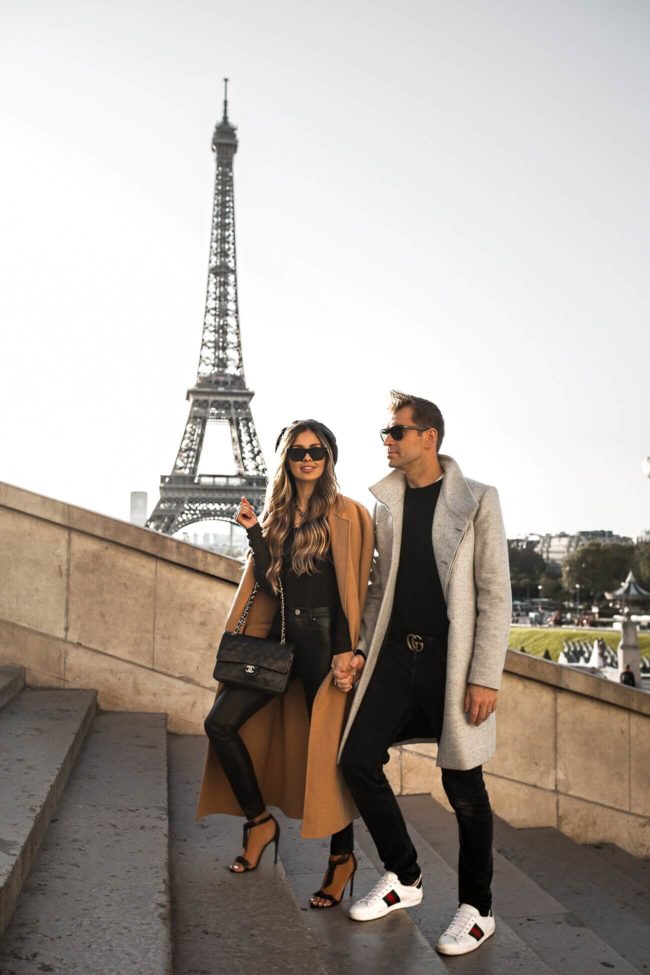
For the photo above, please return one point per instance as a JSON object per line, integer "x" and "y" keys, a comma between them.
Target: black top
{"x": 419, "y": 605}
{"x": 319, "y": 589}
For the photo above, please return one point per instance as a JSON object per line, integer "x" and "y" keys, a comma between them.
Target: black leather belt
{"x": 417, "y": 642}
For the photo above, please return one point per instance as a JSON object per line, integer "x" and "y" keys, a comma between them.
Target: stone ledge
{"x": 565, "y": 679}
{"x": 143, "y": 540}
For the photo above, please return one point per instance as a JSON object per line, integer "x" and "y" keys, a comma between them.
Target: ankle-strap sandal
{"x": 329, "y": 880}
{"x": 243, "y": 862}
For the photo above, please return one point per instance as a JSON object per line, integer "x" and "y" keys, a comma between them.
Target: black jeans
{"x": 399, "y": 687}
{"x": 310, "y": 630}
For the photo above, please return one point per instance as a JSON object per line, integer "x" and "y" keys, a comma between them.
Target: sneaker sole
{"x": 459, "y": 950}
{"x": 389, "y": 910}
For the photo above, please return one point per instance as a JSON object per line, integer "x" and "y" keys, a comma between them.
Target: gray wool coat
{"x": 471, "y": 554}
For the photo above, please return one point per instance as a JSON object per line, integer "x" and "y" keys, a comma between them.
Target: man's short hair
{"x": 425, "y": 413}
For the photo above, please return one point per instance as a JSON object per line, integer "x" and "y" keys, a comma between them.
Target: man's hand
{"x": 480, "y": 702}
{"x": 347, "y": 669}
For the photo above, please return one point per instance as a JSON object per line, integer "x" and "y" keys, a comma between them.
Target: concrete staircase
{"x": 103, "y": 869}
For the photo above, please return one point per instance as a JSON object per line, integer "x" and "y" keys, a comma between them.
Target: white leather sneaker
{"x": 467, "y": 931}
{"x": 387, "y": 895}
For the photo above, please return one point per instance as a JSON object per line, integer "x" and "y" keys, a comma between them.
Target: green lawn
{"x": 537, "y": 639}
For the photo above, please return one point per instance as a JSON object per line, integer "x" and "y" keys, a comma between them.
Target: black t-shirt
{"x": 419, "y": 605}
{"x": 319, "y": 589}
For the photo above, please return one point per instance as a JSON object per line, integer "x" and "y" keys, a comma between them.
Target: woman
{"x": 281, "y": 750}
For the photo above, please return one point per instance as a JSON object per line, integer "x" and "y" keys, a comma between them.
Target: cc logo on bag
{"x": 414, "y": 642}
{"x": 250, "y": 669}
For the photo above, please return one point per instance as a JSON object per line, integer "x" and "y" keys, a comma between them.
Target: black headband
{"x": 323, "y": 432}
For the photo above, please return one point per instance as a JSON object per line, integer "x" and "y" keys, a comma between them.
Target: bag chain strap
{"x": 249, "y": 603}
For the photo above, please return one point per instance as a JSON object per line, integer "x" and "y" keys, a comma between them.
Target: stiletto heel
{"x": 329, "y": 879}
{"x": 245, "y": 864}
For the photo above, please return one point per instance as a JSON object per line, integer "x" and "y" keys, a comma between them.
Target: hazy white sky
{"x": 449, "y": 197}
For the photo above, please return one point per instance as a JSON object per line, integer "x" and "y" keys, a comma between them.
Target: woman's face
{"x": 308, "y": 468}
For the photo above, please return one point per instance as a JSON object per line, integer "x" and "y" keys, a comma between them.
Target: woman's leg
{"x": 312, "y": 666}
{"x": 232, "y": 708}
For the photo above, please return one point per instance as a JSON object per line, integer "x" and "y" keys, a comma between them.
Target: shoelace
{"x": 379, "y": 890}
{"x": 463, "y": 920}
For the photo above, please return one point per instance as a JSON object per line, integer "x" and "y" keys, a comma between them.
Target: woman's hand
{"x": 347, "y": 668}
{"x": 245, "y": 514}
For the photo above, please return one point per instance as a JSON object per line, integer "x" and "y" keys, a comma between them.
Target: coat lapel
{"x": 339, "y": 527}
{"x": 390, "y": 492}
{"x": 454, "y": 511}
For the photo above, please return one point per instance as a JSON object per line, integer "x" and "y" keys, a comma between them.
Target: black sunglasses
{"x": 397, "y": 432}
{"x": 299, "y": 453}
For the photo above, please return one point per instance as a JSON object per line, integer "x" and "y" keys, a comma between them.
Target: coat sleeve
{"x": 493, "y": 596}
{"x": 374, "y": 597}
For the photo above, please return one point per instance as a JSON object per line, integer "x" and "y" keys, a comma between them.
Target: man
{"x": 430, "y": 660}
{"x": 627, "y": 677}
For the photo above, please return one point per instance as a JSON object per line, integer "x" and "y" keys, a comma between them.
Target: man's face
{"x": 402, "y": 453}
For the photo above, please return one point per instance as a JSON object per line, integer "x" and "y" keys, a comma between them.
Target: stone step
{"x": 531, "y": 914}
{"x": 41, "y": 732}
{"x": 12, "y": 680}
{"x": 385, "y": 946}
{"x": 97, "y": 899}
{"x": 635, "y": 868}
{"x": 242, "y": 924}
{"x": 503, "y": 954}
{"x": 611, "y": 904}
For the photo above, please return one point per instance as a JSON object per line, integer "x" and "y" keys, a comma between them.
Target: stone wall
{"x": 89, "y": 601}
{"x": 573, "y": 752}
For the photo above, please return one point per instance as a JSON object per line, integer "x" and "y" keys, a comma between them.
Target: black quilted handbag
{"x": 249, "y": 661}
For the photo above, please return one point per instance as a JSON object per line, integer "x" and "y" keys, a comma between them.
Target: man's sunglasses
{"x": 299, "y": 453}
{"x": 397, "y": 432}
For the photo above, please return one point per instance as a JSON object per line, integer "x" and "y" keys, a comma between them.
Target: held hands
{"x": 245, "y": 514}
{"x": 347, "y": 669}
{"x": 480, "y": 702}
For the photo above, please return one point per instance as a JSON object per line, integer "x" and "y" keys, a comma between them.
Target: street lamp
{"x": 577, "y": 595}
{"x": 539, "y": 594}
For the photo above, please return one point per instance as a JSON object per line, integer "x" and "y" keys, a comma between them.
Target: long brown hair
{"x": 312, "y": 538}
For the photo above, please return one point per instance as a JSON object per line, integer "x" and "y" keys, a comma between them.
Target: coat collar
{"x": 455, "y": 509}
{"x": 455, "y": 493}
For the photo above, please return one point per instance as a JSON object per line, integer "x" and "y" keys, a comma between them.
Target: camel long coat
{"x": 471, "y": 553}
{"x": 295, "y": 761}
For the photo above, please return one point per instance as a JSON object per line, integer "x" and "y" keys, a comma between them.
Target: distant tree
{"x": 552, "y": 586}
{"x": 597, "y": 568}
{"x": 642, "y": 564}
{"x": 526, "y": 568}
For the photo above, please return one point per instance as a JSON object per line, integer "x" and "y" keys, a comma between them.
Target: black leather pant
{"x": 310, "y": 630}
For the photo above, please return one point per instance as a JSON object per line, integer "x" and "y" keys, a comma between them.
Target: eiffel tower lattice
{"x": 220, "y": 393}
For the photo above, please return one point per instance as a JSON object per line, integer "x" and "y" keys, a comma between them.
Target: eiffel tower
{"x": 220, "y": 394}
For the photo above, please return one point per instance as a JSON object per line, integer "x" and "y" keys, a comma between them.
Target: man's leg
{"x": 385, "y": 708}
{"x": 473, "y": 922}
{"x": 469, "y": 799}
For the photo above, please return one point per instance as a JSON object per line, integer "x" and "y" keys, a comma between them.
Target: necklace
{"x": 299, "y": 510}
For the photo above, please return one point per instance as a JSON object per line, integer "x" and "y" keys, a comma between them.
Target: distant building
{"x": 554, "y": 549}
{"x": 644, "y": 536}
{"x": 138, "y": 515}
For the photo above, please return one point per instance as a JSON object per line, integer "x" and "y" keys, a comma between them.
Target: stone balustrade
{"x": 90, "y": 601}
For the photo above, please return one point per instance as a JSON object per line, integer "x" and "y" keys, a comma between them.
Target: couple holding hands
{"x": 400, "y": 625}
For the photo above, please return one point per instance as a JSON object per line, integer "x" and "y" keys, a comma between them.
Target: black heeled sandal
{"x": 329, "y": 878}
{"x": 241, "y": 860}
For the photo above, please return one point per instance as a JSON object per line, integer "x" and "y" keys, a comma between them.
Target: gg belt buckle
{"x": 414, "y": 642}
